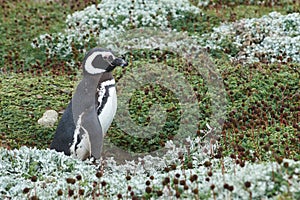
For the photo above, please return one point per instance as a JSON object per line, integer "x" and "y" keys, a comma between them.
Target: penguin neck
{"x": 88, "y": 86}
{"x": 84, "y": 97}
{"x": 106, "y": 76}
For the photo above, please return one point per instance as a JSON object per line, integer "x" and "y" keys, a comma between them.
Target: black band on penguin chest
{"x": 104, "y": 99}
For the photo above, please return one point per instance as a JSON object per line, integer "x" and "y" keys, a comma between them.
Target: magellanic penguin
{"x": 88, "y": 116}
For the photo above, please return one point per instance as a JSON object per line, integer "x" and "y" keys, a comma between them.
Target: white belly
{"x": 109, "y": 110}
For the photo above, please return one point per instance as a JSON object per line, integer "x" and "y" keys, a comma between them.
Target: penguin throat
{"x": 103, "y": 94}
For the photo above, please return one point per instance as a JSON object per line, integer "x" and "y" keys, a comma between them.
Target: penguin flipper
{"x": 94, "y": 130}
{"x": 64, "y": 132}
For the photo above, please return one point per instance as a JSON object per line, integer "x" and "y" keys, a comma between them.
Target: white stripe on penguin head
{"x": 88, "y": 63}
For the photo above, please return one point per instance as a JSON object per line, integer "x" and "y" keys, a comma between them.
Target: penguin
{"x": 93, "y": 106}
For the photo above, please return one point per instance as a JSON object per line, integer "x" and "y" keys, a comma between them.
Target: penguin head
{"x": 100, "y": 60}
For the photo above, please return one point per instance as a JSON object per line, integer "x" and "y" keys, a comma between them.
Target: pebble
{"x": 49, "y": 118}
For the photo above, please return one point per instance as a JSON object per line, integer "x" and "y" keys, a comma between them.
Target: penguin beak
{"x": 119, "y": 62}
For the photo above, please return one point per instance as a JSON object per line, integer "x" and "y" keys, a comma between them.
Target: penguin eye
{"x": 108, "y": 58}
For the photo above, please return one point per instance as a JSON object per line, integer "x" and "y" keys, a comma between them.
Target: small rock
{"x": 49, "y": 118}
